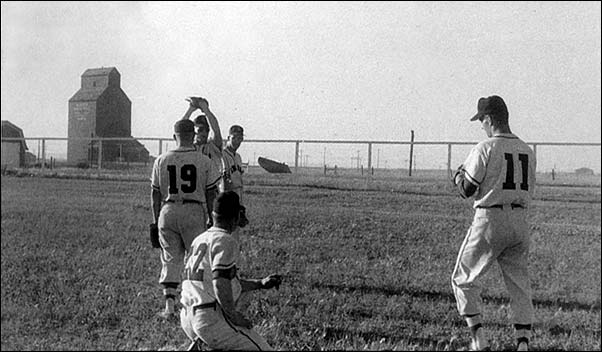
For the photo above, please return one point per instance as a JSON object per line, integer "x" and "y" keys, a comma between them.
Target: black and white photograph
{"x": 301, "y": 176}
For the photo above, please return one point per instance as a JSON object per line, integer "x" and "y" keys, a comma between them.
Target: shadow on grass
{"x": 448, "y": 296}
{"x": 334, "y": 334}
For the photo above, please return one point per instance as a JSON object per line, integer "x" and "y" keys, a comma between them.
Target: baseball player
{"x": 232, "y": 178}
{"x": 499, "y": 173}
{"x": 232, "y": 170}
{"x": 180, "y": 180}
{"x": 212, "y": 286}
{"x": 203, "y": 125}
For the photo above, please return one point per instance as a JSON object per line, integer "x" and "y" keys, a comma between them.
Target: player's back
{"x": 509, "y": 177}
{"x": 213, "y": 249}
{"x": 183, "y": 174}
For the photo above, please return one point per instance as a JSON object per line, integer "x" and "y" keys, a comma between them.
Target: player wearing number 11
{"x": 500, "y": 173}
{"x": 181, "y": 180}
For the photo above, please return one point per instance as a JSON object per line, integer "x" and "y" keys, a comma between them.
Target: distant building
{"x": 13, "y": 152}
{"x": 100, "y": 108}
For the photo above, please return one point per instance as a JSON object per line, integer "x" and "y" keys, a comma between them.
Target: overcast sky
{"x": 309, "y": 70}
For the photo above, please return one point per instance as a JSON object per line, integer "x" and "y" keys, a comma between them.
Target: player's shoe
{"x": 165, "y": 315}
{"x": 479, "y": 342}
{"x": 197, "y": 345}
{"x": 522, "y": 346}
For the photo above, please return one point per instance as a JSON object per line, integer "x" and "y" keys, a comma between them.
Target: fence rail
{"x": 42, "y": 147}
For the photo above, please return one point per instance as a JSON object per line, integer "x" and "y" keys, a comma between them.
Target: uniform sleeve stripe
{"x": 471, "y": 179}
{"x": 212, "y": 184}
{"x": 223, "y": 266}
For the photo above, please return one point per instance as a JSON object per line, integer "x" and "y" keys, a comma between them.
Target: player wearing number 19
{"x": 500, "y": 173}
{"x": 181, "y": 179}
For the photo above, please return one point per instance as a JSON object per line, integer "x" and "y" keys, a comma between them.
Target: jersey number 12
{"x": 524, "y": 163}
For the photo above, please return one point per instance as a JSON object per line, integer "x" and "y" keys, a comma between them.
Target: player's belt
{"x": 204, "y": 306}
{"x": 184, "y": 201}
{"x": 501, "y": 206}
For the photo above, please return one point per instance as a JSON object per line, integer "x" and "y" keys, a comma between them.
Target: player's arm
{"x": 213, "y": 124}
{"x": 222, "y": 286}
{"x": 156, "y": 196}
{"x": 188, "y": 113}
{"x": 156, "y": 199}
{"x": 266, "y": 283}
{"x": 211, "y": 188}
{"x": 210, "y": 195}
{"x": 465, "y": 187}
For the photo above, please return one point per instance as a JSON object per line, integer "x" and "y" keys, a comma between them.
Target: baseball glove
{"x": 270, "y": 281}
{"x": 195, "y": 101}
{"x": 459, "y": 171}
{"x": 243, "y": 220}
{"x": 154, "y": 235}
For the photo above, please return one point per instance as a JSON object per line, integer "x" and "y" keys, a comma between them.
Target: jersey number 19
{"x": 187, "y": 174}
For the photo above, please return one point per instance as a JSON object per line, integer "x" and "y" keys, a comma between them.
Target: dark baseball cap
{"x": 184, "y": 126}
{"x": 227, "y": 204}
{"x": 236, "y": 129}
{"x": 493, "y": 105}
{"x": 201, "y": 122}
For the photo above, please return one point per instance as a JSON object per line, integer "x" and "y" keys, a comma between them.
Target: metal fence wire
{"x": 363, "y": 156}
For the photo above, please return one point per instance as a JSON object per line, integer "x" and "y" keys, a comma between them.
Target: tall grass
{"x": 367, "y": 265}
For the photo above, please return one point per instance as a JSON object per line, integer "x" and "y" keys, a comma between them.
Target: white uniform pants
{"x": 212, "y": 326}
{"x": 502, "y": 235}
{"x": 179, "y": 224}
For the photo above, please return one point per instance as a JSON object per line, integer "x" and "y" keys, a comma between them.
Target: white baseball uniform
{"x": 182, "y": 176}
{"x": 503, "y": 169}
{"x": 232, "y": 173}
{"x": 201, "y": 315}
{"x": 213, "y": 152}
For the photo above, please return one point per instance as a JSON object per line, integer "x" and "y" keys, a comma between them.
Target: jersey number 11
{"x": 524, "y": 163}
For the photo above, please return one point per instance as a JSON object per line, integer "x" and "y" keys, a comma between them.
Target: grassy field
{"x": 367, "y": 265}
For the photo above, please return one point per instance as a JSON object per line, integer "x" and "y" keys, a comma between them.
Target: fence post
{"x": 369, "y": 156}
{"x": 296, "y": 155}
{"x": 449, "y": 152}
{"x": 160, "y": 146}
{"x": 43, "y": 154}
{"x": 535, "y": 152}
{"x": 99, "y": 154}
{"x": 411, "y": 152}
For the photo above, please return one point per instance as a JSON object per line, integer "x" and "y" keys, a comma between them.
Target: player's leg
{"x": 514, "y": 266}
{"x": 192, "y": 222}
{"x": 474, "y": 259}
{"x": 218, "y": 333}
{"x": 187, "y": 322}
{"x": 172, "y": 257}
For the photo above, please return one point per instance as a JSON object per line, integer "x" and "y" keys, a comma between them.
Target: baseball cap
{"x": 493, "y": 105}
{"x": 227, "y": 204}
{"x": 183, "y": 126}
{"x": 201, "y": 121}
{"x": 236, "y": 129}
